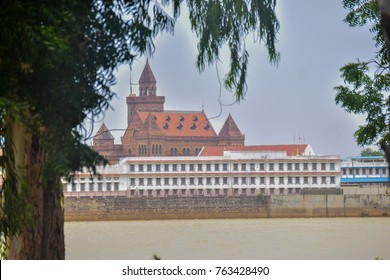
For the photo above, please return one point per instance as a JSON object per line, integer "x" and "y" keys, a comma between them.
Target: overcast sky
{"x": 282, "y": 103}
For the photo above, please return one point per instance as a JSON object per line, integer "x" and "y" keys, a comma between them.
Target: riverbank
{"x": 117, "y": 208}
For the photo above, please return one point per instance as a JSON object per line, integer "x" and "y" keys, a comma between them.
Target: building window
{"x": 216, "y": 181}
{"x": 261, "y": 166}
{"x": 166, "y": 181}
{"x": 132, "y": 181}
{"x": 357, "y": 171}
{"x": 243, "y": 166}
{"x": 208, "y": 181}
{"x": 141, "y": 181}
{"x": 216, "y": 191}
{"x": 323, "y": 166}
{"x": 192, "y": 181}
{"x": 216, "y": 167}
{"x": 100, "y": 187}
{"x": 182, "y": 167}
{"x": 314, "y": 166}
{"x": 224, "y": 167}
{"x": 225, "y": 180}
{"x": 82, "y": 187}
{"x": 192, "y": 191}
{"x": 174, "y": 181}
{"x": 200, "y": 181}
{"x": 116, "y": 186}
{"x": 243, "y": 181}
{"x": 344, "y": 171}
{"x": 183, "y": 181}
{"x": 174, "y": 167}
{"x": 200, "y": 167}
{"x": 323, "y": 179}
{"x": 183, "y": 192}
{"x": 296, "y": 166}
{"x": 158, "y": 181}
{"x": 305, "y": 166}
{"x": 314, "y": 180}
{"x": 376, "y": 171}
{"x": 281, "y": 166}
{"x": 166, "y": 167}
{"x": 192, "y": 167}
{"x": 332, "y": 179}
{"x": 271, "y": 180}
{"x": 306, "y": 180}
{"x": 200, "y": 192}
{"x": 150, "y": 181}
{"x": 289, "y": 180}
{"x": 141, "y": 168}
{"x": 271, "y": 167}
{"x": 132, "y": 168}
{"x": 262, "y": 180}
{"x": 243, "y": 191}
{"x": 208, "y": 191}
{"x": 297, "y": 180}
{"x": 281, "y": 180}
{"x": 332, "y": 166}
{"x": 225, "y": 191}
{"x": 363, "y": 171}
{"x": 208, "y": 167}
{"x": 252, "y": 167}
{"x": 235, "y": 180}
{"x": 149, "y": 167}
{"x": 235, "y": 167}
{"x": 289, "y": 166}
{"x": 370, "y": 171}
{"x": 253, "y": 180}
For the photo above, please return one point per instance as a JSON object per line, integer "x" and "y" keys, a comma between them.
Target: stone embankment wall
{"x": 277, "y": 206}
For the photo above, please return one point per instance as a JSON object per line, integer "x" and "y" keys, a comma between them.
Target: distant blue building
{"x": 364, "y": 171}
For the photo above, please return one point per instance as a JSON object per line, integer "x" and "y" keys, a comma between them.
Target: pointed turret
{"x": 103, "y": 137}
{"x": 147, "y": 82}
{"x": 230, "y": 134}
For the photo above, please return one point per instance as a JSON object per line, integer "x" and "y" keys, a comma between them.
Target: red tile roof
{"x": 291, "y": 150}
{"x": 180, "y": 123}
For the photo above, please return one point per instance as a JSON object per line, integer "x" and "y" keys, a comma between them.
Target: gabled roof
{"x": 103, "y": 133}
{"x": 147, "y": 75}
{"x": 181, "y": 123}
{"x": 230, "y": 129}
{"x": 150, "y": 128}
{"x": 291, "y": 150}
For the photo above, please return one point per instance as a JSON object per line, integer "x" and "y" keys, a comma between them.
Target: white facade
{"x": 364, "y": 171}
{"x": 232, "y": 173}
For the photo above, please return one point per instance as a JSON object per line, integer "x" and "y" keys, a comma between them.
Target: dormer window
{"x": 179, "y": 125}
{"x": 206, "y": 126}
{"x": 167, "y": 118}
{"x": 193, "y": 126}
{"x": 154, "y": 117}
{"x": 181, "y": 118}
{"x": 195, "y": 119}
{"x": 165, "y": 125}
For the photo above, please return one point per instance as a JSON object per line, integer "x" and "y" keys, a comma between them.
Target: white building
{"x": 244, "y": 170}
{"x": 364, "y": 171}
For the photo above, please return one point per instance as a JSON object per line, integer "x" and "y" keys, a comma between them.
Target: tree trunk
{"x": 384, "y": 8}
{"x": 42, "y": 236}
